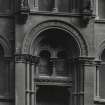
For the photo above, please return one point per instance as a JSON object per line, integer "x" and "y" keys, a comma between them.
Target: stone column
{"x": 54, "y": 67}
{"x": 78, "y": 84}
{"x": 88, "y": 82}
{"x": 96, "y": 79}
{"x": 55, "y": 9}
{"x": 28, "y": 80}
{"x": 20, "y": 79}
{"x": 33, "y": 71}
{"x": 80, "y": 81}
{"x": 96, "y": 9}
{"x": 36, "y": 6}
{"x": 74, "y": 73}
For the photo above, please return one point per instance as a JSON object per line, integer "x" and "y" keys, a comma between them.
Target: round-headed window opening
{"x": 57, "y": 39}
{"x": 62, "y": 68}
{"x": 44, "y": 63}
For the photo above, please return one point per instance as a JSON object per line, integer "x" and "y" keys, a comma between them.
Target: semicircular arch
{"x": 33, "y": 34}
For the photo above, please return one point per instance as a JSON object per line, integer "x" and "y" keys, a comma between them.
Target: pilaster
{"x": 24, "y": 82}
{"x": 20, "y": 67}
{"x": 78, "y": 91}
{"x": 97, "y": 75}
{"x": 87, "y": 85}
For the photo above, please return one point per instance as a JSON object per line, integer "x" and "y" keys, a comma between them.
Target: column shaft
{"x": 20, "y": 67}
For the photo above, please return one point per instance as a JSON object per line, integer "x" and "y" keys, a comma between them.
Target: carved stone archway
{"x": 29, "y": 64}
{"x": 32, "y": 35}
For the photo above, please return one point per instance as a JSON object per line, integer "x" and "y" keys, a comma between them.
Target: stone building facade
{"x": 52, "y": 52}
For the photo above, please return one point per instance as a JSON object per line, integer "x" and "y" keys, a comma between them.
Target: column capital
{"x": 97, "y": 62}
{"x": 25, "y": 58}
{"x": 34, "y": 59}
{"x": 22, "y": 58}
{"x": 88, "y": 61}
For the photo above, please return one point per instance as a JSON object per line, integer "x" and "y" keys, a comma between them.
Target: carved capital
{"x": 22, "y": 58}
{"x": 34, "y": 59}
{"x": 25, "y": 58}
{"x": 87, "y": 61}
{"x": 97, "y": 62}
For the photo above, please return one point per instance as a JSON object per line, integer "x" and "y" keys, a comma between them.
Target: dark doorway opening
{"x": 53, "y": 95}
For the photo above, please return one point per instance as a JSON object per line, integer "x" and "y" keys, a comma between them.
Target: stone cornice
{"x": 54, "y": 81}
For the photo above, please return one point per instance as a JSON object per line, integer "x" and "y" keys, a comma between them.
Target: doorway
{"x": 53, "y": 95}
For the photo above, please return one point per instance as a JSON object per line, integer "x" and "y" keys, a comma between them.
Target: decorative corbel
{"x": 87, "y": 12}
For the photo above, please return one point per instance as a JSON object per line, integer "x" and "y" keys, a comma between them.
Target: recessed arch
{"x": 43, "y": 64}
{"x": 33, "y": 34}
{"x": 62, "y": 70}
{"x": 56, "y": 39}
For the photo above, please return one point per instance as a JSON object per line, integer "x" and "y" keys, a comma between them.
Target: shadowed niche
{"x": 52, "y": 95}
